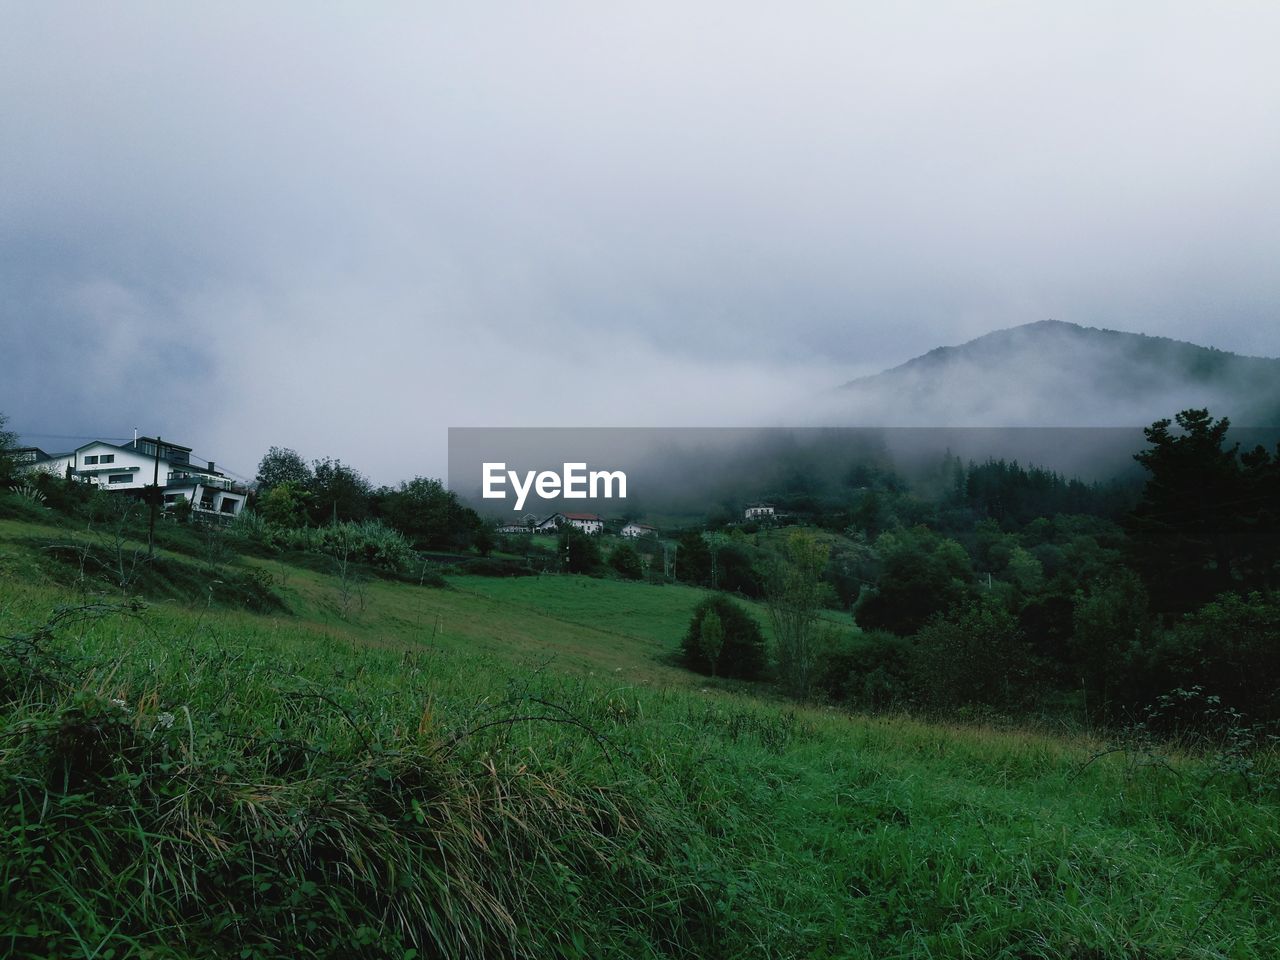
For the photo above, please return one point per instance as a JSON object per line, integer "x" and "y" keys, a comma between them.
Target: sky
{"x": 344, "y": 228}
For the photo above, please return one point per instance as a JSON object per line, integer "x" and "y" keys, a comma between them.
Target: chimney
{"x": 212, "y": 468}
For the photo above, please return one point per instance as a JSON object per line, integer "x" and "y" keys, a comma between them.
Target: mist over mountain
{"x": 1053, "y": 373}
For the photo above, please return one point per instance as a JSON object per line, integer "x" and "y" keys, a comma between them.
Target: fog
{"x": 344, "y": 230}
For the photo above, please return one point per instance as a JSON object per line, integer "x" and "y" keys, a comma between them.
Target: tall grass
{"x": 182, "y": 782}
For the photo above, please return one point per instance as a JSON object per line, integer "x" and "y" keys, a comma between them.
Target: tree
{"x": 693, "y": 559}
{"x": 921, "y": 575}
{"x": 8, "y": 440}
{"x": 735, "y": 571}
{"x": 794, "y": 593}
{"x": 580, "y": 552}
{"x": 1110, "y": 629}
{"x": 285, "y": 504}
{"x": 711, "y": 638}
{"x": 742, "y": 650}
{"x": 1231, "y": 647}
{"x": 1024, "y": 571}
{"x": 1207, "y": 520}
{"x": 626, "y": 562}
{"x": 338, "y": 492}
{"x": 432, "y": 517}
{"x": 483, "y": 540}
{"x": 282, "y": 465}
{"x": 975, "y": 655}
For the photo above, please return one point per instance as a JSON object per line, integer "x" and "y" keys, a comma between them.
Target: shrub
{"x": 1230, "y": 647}
{"x": 921, "y": 575}
{"x": 579, "y": 550}
{"x": 369, "y": 542}
{"x": 875, "y": 671}
{"x": 742, "y": 650}
{"x": 626, "y": 562}
{"x": 976, "y": 656}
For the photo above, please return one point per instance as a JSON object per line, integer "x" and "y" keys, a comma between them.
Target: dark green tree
{"x": 282, "y": 465}
{"x": 429, "y": 515}
{"x": 579, "y": 551}
{"x": 742, "y": 650}
{"x": 8, "y": 440}
{"x": 626, "y": 562}
{"x": 1207, "y": 520}
{"x": 736, "y": 572}
{"x": 338, "y": 492}
{"x": 921, "y": 575}
{"x": 975, "y": 655}
{"x": 1231, "y": 648}
{"x": 1111, "y": 628}
{"x": 693, "y": 559}
{"x": 711, "y": 639}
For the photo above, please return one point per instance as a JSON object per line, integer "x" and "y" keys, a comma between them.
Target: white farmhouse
{"x": 586, "y": 522}
{"x": 131, "y": 468}
{"x": 635, "y": 530}
{"x": 758, "y": 511}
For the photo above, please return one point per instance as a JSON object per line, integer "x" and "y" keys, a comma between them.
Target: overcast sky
{"x": 345, "y": 227}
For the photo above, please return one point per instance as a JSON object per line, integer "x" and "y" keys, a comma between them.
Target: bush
{"x": 626, "y": 562}
{"x": 976, "y": 656}
{"x": 921, "y": 575}
{"x": 579, "y": 550}
{"x": 876, "y": 671}
{"x": 1231, "y": 648}
{"x": 369, "y": 542}
{"x": 742, "y": 650}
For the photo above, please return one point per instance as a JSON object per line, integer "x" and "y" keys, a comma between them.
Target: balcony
{"x": 190, "y": 476}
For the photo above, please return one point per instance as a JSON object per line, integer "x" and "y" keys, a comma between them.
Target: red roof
{"x": 582, "y": 516}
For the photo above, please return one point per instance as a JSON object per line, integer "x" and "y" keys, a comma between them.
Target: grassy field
{"x": 517, "y": 768}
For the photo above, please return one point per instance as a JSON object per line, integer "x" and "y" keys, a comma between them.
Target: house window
{"x": 120, "y": 478}
{"x": 89, "y": 460}
{"x": 107, "y": 458}
{"x": 229, "y": 504}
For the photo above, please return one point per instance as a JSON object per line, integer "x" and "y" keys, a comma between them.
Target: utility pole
{"x": 155, "y": 498}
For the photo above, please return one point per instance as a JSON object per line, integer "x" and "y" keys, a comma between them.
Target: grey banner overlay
{"x": 686, "y": 471}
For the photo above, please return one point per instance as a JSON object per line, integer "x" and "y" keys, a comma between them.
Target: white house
{"x": 758, "y": 511}
{"x": 514, "y": 528}
{"x": 131, "y": 468}
{"x": 633, "y": 529}
{"x": 586, "y": 522}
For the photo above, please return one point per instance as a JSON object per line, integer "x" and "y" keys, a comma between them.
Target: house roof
{"x": 642, "y": 526}
{"x": 164, "y": 445}
{"x": 582, "y": 516}
{"x": 40, "y": 454}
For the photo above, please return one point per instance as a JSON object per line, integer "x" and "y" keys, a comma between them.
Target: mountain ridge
{"x": 1053, "y": 372}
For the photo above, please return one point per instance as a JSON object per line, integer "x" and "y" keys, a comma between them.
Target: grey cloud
{"x": 344, "y": 229}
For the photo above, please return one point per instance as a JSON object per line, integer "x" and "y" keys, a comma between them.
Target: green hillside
{"x": 517, "y": 768}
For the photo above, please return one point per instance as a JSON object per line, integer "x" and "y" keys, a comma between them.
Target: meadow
{"x": 518, "y": 768}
